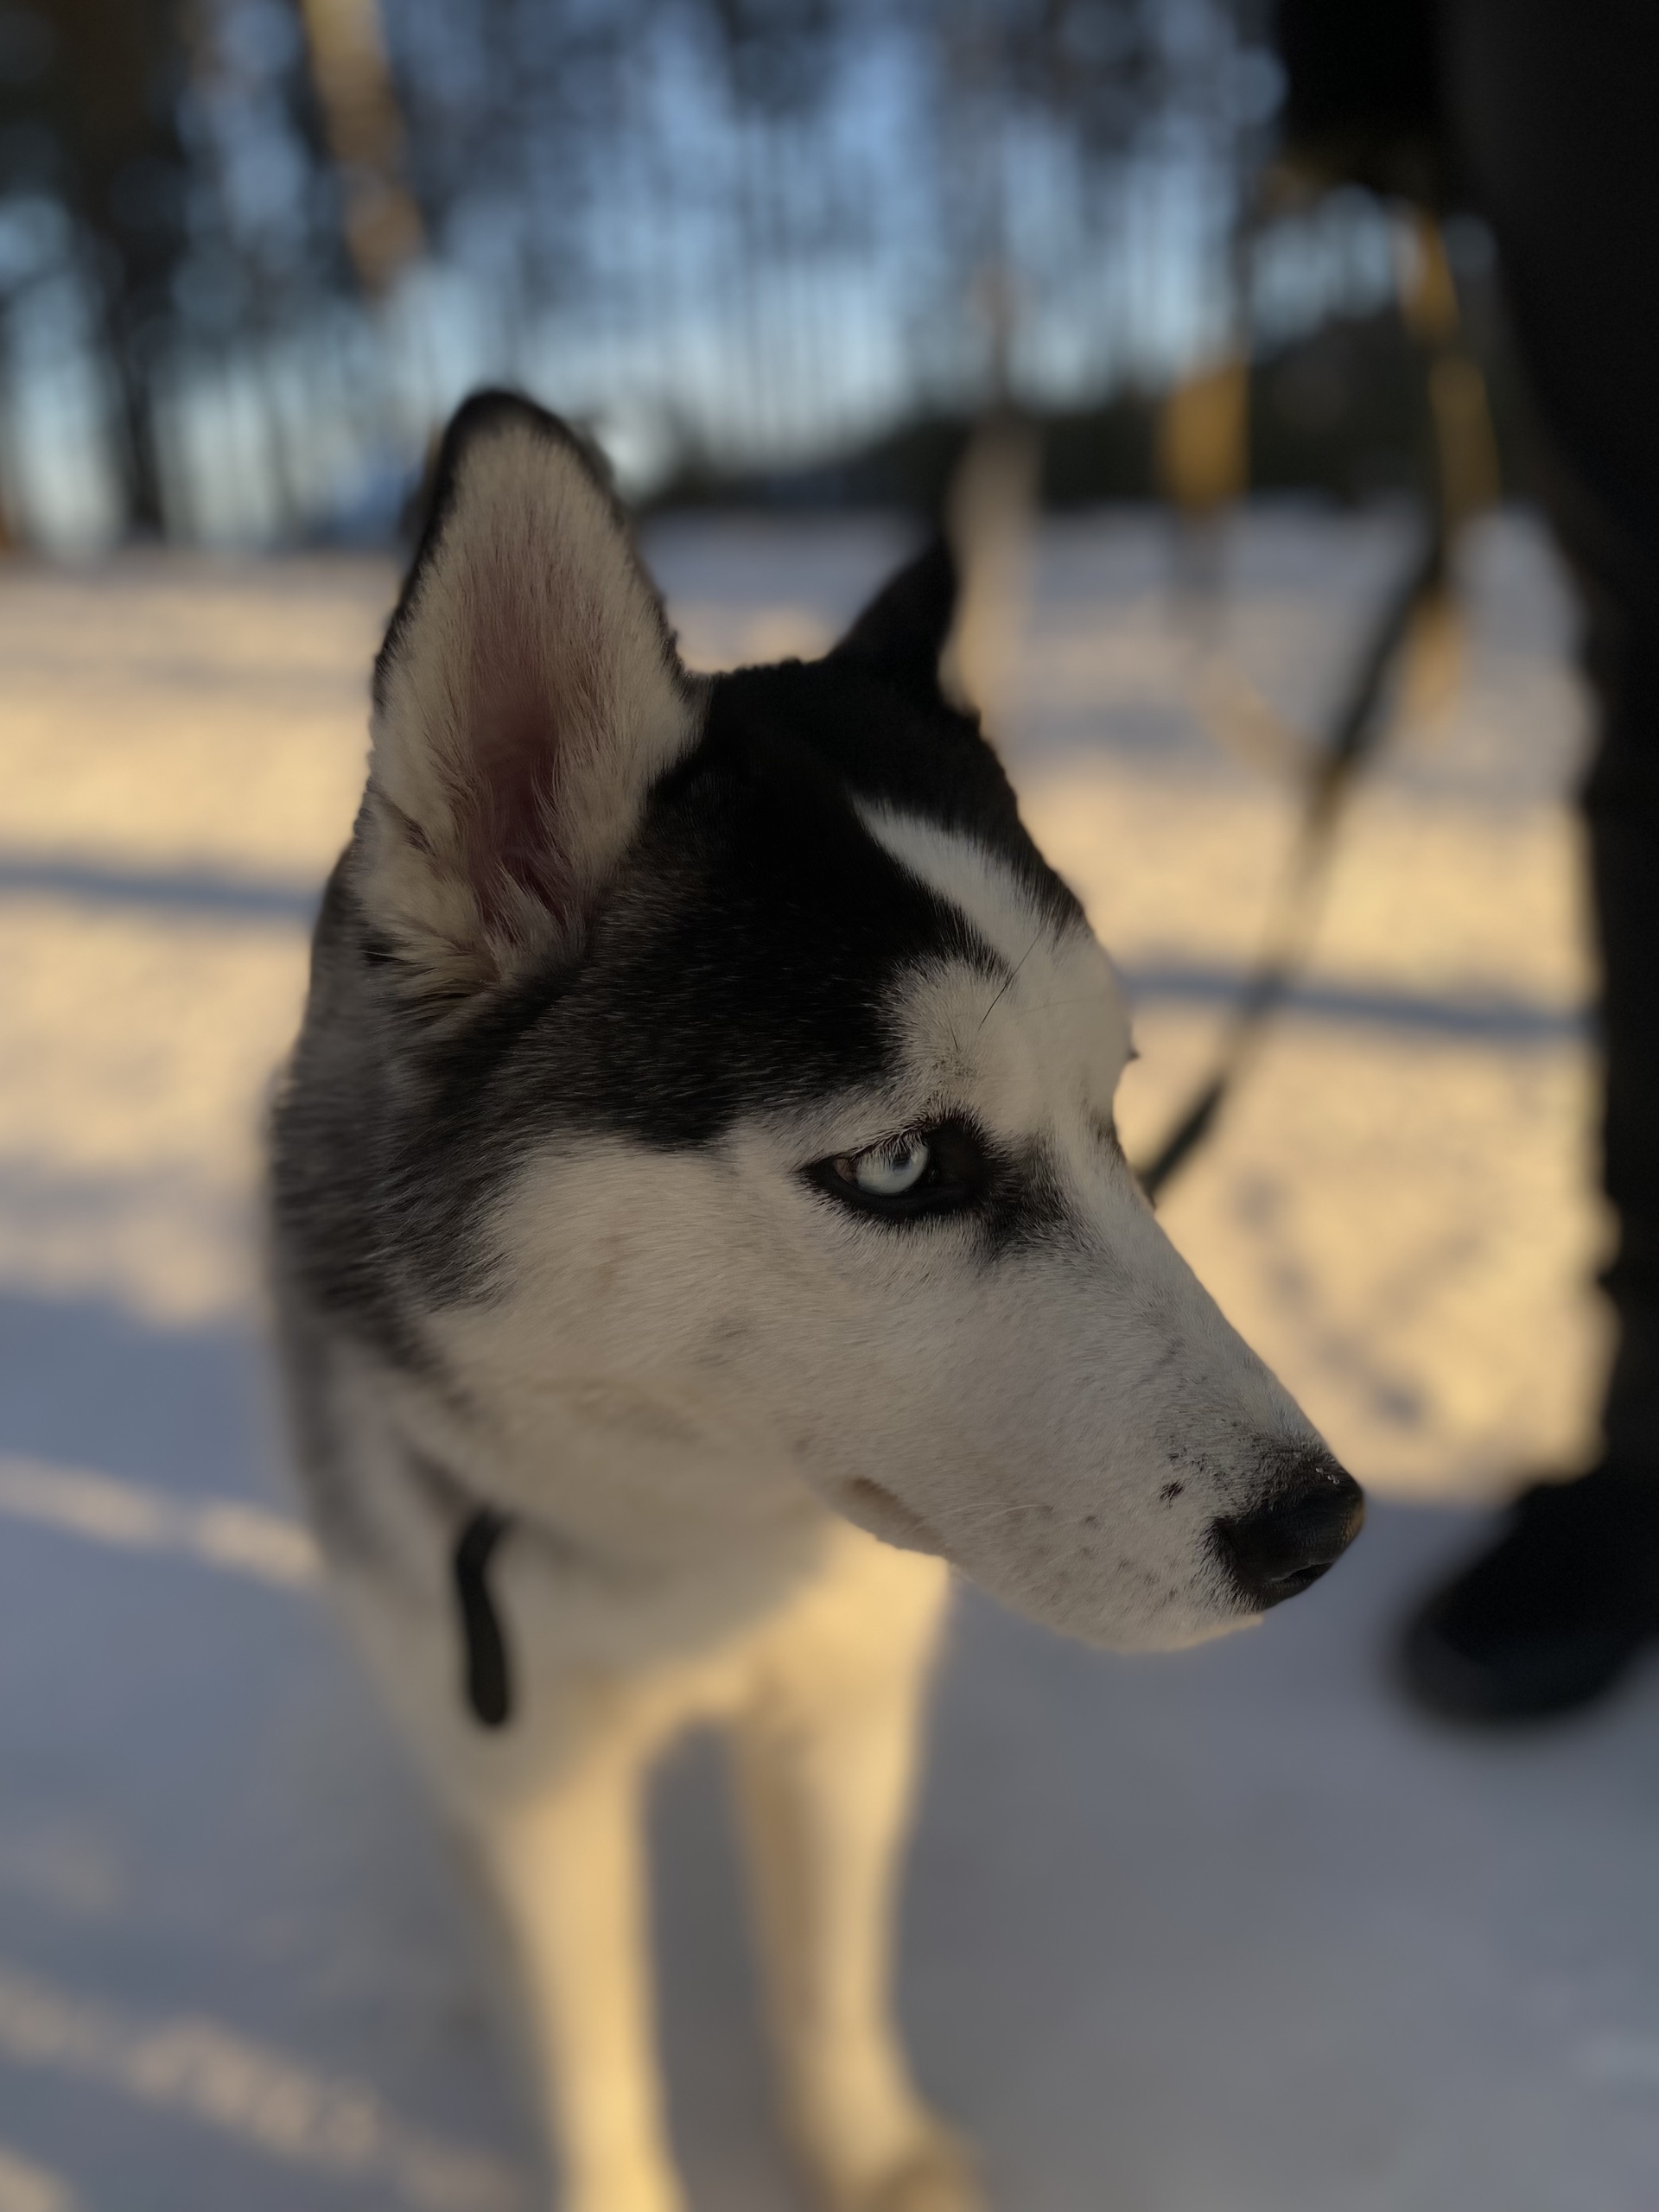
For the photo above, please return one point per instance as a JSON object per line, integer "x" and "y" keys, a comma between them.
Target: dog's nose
{"x": 1314, "y": 1513}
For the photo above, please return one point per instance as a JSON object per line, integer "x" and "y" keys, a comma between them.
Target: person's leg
{"x": 1550, "y": 110}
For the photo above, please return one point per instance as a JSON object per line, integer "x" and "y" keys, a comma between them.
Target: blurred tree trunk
{"x": 132, "y": 354}
{"x": 364, "y": 123}
{"x": 118, "y": 69}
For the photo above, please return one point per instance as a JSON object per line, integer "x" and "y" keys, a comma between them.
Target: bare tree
{"x": 107, "y": 104}
{"x": 365, "y": 134}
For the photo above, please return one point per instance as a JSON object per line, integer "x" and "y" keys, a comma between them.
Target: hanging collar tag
{"x": 489, "y": 1688}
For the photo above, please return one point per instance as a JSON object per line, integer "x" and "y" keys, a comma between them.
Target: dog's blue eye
{"x": 887, "y": 1171}
{"x": 937, "y": 1170}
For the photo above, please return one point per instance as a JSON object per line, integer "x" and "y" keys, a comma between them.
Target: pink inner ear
{"x": 533, "y": 702}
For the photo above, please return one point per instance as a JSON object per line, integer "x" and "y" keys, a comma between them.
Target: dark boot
{"x": 1552, "y": 1615}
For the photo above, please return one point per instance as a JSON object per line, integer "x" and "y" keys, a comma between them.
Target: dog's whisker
{"x": 1008, "y": 980}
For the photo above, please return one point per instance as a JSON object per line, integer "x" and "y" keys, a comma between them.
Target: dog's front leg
{"x": 825, "y": 1760}
{"x": 568, "y": 1871}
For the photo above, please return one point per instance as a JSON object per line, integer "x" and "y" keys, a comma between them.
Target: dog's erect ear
{"x": 904, "y": 630}
{"x": 525, "y": 699}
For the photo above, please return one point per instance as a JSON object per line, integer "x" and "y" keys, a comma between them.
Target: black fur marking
{"x": 335, "y": 1139}
{"x": 749, "y": 952}
{"x": 1013, "y": 1196}
{"x": 905, "y": 748}
{"x": 961, "y": 1167}
{"x": 334, "y": 1501}
{"x": 1025, "y": 1204}
{"x": 488, "y": 1680}
{"x": 902, "y": 632}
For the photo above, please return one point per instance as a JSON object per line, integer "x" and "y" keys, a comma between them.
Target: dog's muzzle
{"x": 1280, "y": 1549}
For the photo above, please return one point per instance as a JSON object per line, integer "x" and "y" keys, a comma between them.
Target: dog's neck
{"x": 582, "y": 1486}
{"x": 642, "y": 1486}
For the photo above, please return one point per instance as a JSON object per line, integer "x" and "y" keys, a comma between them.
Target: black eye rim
{"x": 960, "y": 1170}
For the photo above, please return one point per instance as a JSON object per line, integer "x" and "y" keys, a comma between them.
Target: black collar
{"x": 488, "y": 1680}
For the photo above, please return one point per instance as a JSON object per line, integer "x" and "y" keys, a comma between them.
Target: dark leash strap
{"x": 1464, "y": 478}
{"x": 1355, "y": 731}
{"x": 487, "y": 1676}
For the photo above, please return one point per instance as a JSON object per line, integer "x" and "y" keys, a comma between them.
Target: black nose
{"x": 1314, "y": 1512}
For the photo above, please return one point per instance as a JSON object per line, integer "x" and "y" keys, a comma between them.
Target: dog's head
{"x": 768, "y": 1072}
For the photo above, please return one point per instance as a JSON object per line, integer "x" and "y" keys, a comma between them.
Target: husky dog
{"x": 698, "y": 1223}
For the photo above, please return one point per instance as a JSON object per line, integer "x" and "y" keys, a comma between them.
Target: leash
{"x": 1357, "y": 731}
{"x": 1202, "y": 463}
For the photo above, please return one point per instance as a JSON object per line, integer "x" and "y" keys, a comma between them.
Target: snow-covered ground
{"x": 1225, "y": 1933}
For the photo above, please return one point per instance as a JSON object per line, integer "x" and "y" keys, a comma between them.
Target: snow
{"x": 1231, "y": 1932}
